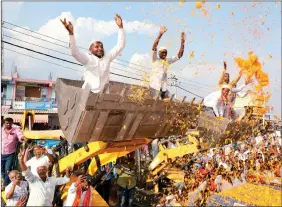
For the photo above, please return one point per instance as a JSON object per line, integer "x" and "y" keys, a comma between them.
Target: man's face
{"x": 225, "y": 91}
{"x": 226, "y": 77}
{"x": 162, "y": 54}
{"x": 8, "y": 124}
{"x": 42, "y": 171}
{"x": 37, "y": 152}
{"x": 84, "y": 184}
{"x": 14, "y": 176}
{"x": 97, "y": 49}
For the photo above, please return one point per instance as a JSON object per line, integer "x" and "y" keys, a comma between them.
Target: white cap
{"x": 226, "y": 86}
{"x": 162, "y": 48}
{"x": 43, "y": 162}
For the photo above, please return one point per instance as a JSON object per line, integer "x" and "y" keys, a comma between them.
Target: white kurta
{"x": 158, "y": 78}
{"x": 20, "y": 190}
{"x": 213, "y": 101}
{"x": 42, "y": 193}
{"x": 97, "y": 69}
{"x": 34, "y": 163}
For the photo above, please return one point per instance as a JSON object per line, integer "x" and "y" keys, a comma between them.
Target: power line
{"x": 62, "y": 60}
{"x": 41, "y": 53}
{"x": 82, "y": 72}
{"x": 79, "y": 47}
{"x": 69, "y": 55}
{"x": 189, "y": 91}
{"x": 34, "y": 36}
{"x": 34, "y": 31}
{"x": 42, "y": 60}
{"x": 36, "y": 45}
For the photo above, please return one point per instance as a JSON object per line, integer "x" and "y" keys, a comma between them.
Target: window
{"x": 33, "y": 92}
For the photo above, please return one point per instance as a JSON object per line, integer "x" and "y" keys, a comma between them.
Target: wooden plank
{"x": 162, "y": 126}
{"x": 135, "y": 125}
{"x": 125, "y": 126}
{"x": 103, "y": 116}
{"x": 87, "y": 125}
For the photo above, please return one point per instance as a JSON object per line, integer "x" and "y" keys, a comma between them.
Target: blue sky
{"x": 223, "y": 34}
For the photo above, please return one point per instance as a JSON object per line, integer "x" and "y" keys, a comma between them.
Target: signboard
{"x": 38, "y": 105}
{"x": 18, "y": 105}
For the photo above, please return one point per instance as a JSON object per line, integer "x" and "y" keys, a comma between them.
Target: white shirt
{"x": 158, "y": 78}
{"x": 171, "y": 145}
{"x": 259, "y": 140}
{"x": 19, "y": 191}
{"x": 34, "y": 163}
{"x": 97, "y": 69}
{"x": 237, "y": 92}
{"x": 72, "y": 194}
{"x": 42, "y": 193}
{"x": 213, "y": 101}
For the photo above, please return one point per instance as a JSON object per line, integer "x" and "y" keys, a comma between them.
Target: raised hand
{"x": 68, "y": 171}
{"x": 29, "y": 149}
{"x": 163, "y": 29}
{"x": 21, "y": 154}
{"x": 68, "y": 26}
{"x": 248, "y": 81}
{"x": 225, "y": 65}
{"x": 80, "y": 179}
{"x": 118, "y": 21}
{"x": 183, "y": 37}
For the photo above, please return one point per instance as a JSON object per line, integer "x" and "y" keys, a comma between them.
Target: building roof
{"x": 7, "y": 78}
{"x": 27, "y": 80}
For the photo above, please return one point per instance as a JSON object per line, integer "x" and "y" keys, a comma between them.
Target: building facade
{"x": 19, "y": 94}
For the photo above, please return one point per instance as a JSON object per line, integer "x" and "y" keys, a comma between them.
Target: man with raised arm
{"x": 97, "y": 63}
{"x": 225, "y": 79}
{"x": 158, "y": 79}
{"x": 42, "y": 187}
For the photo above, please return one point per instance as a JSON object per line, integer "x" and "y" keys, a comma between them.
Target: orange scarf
{"x": 86, "y": 201}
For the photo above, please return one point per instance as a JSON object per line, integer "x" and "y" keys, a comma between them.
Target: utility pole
{"x": 2, "y": 44}
{"x": 175, "y": 84}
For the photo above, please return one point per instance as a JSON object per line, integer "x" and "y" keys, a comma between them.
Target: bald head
{"x": 14, "y": 175}
{"x": 97, "y": 49}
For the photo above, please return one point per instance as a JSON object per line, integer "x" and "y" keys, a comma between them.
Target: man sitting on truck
{"x": 216, "y": 103}
{"x": 158, "y": 79}
{"x": 97, "y": 63}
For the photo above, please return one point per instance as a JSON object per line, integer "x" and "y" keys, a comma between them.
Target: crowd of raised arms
{"x": 256, "y": 160}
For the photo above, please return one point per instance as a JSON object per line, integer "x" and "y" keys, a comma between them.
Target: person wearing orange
{"x": 80, "y": 193}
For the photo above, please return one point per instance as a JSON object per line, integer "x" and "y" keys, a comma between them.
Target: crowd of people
{"x": 256, "y": 160}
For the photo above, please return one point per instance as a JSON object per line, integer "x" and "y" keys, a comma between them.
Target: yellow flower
{"x": 199, "y": 4}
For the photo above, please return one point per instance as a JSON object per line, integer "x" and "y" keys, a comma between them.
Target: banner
{"x": 18, "y": 105}
{"x": 38, "y": 105}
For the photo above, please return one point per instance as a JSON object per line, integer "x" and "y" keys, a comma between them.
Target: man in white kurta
{"x": 42, "y": 187}
{"x": 216, "y": 102}
{"x": 97, "y": 64}
{"x": 160, "y": 65}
